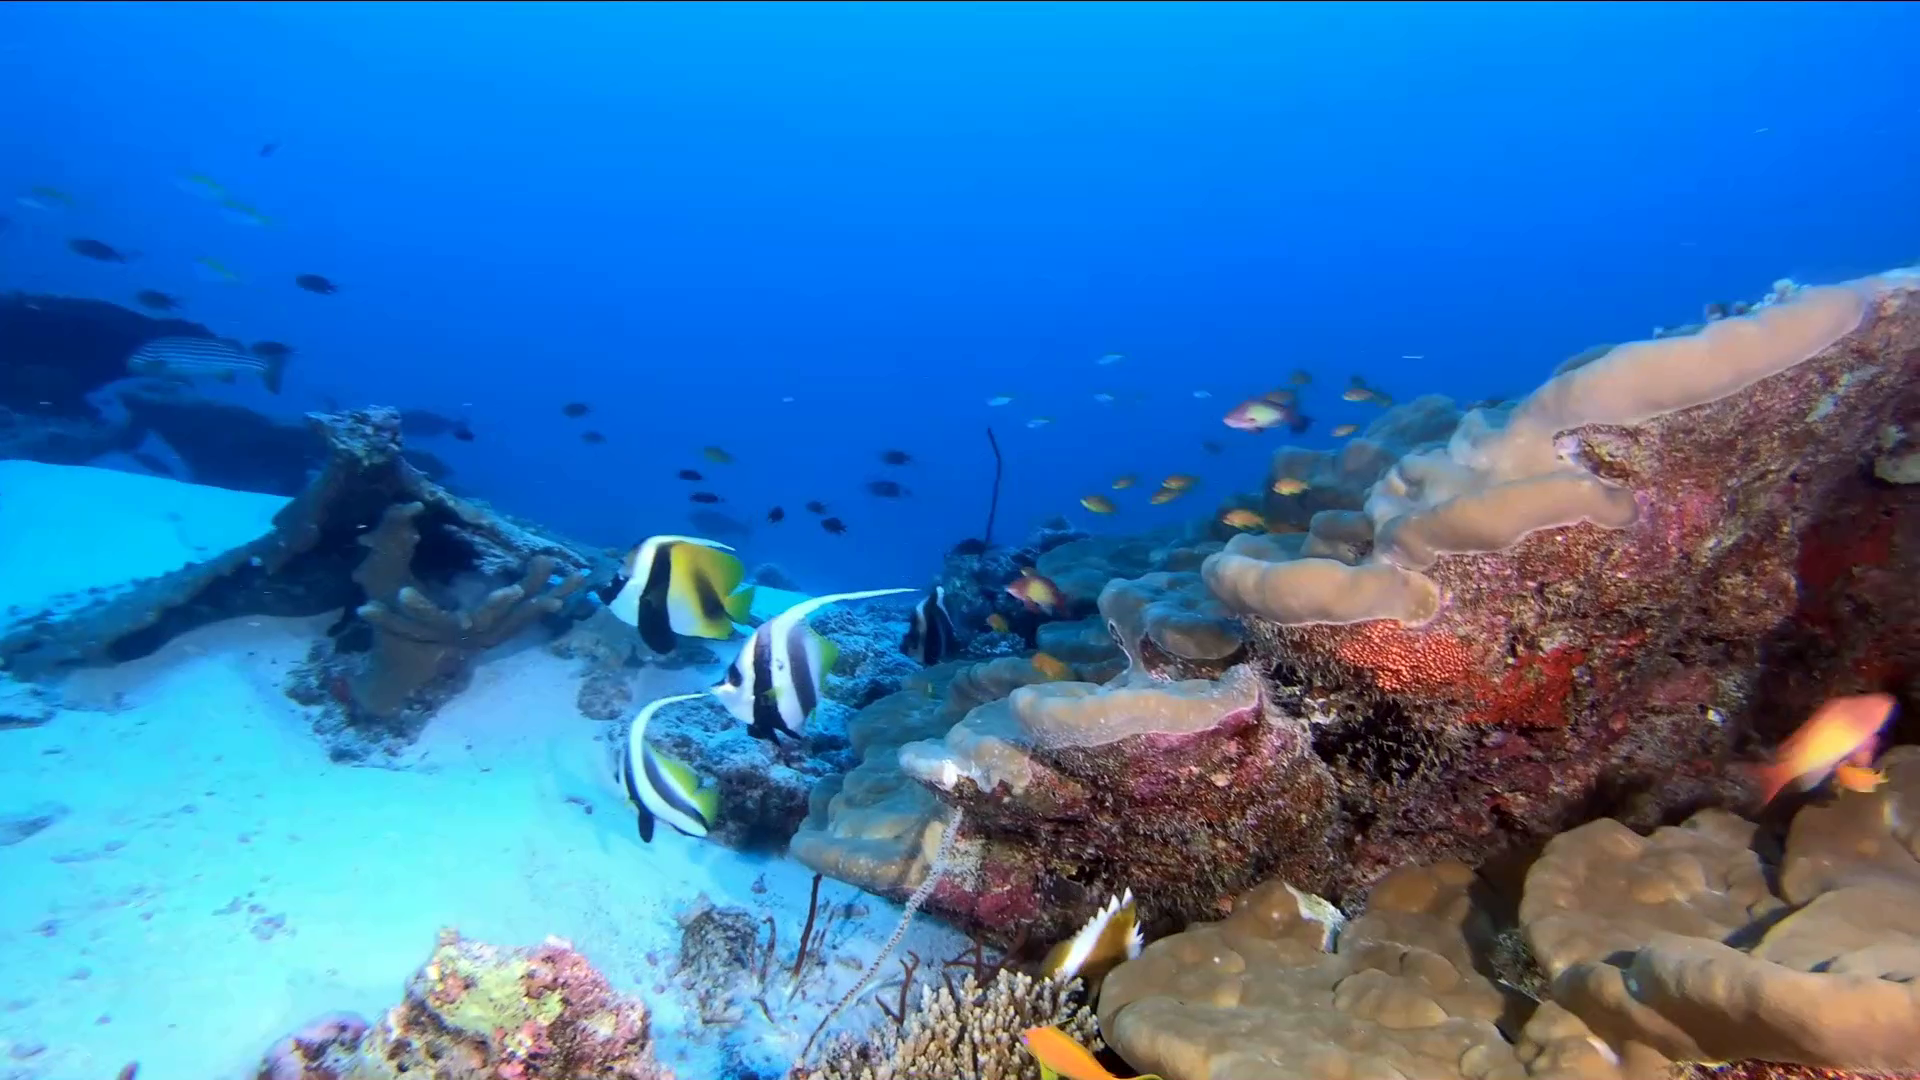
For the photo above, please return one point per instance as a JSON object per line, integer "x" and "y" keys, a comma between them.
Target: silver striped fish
{"x": 216, "y": 358}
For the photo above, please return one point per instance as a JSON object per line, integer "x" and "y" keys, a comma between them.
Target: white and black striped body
{"x": 930, "y": 637}
{"x": 773, "y": 686}
{"x": 653, "y": 790}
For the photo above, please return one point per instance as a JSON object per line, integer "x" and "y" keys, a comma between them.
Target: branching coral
{"x": 417, "y": 641}
{"x": 964, "y": 1031}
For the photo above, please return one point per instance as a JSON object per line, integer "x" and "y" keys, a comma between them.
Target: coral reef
{"x": 968, "y": 1030}
{"x": 1678, "y": 944}
{"x": 313, "y": 561}
{"x": 763, "y": 791}
{"x": 479, "y": 1011}
{"x": 1500, "y": 624}
{"x": 1682, "y": 946}
{"x": 871, "y": 665}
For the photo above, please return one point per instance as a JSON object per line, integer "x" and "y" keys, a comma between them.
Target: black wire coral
{"x": 418, "y": 642}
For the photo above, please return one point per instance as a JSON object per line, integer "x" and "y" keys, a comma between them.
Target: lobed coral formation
{"x": 1661, "y": 949}
{"x": 480, "y": 1011}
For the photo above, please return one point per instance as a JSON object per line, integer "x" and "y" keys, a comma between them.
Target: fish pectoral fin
{"x": 1858, "y": 778}
{"x": 740, "y": 605}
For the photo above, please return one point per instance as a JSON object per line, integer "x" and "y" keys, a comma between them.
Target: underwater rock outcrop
{"x": 462, "y": 560}
{"x": 1591, "y": 602}
{"x": 55, "y": 350}
{"x": 480, "y": 1010}
{"x": 1586, "y": 602}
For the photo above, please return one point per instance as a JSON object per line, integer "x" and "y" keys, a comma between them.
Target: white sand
{"x": 218, "y": 881}
{"x": 65, "y": 529}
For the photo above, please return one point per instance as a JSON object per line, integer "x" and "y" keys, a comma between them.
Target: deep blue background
{"x": 684, "y": 213}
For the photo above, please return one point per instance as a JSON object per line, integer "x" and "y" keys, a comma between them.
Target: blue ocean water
{"x": 809, "y": 234}
{"x": 685, "y": 214}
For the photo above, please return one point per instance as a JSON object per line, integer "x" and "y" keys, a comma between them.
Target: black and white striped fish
{"x": 930, "y": 630}
{"x": 774, "y": 684}
{"x": 214, "y": 358}
{"x": 663, "y": 787}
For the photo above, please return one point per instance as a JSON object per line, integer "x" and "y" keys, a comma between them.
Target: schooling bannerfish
{"x": 217, "y": 358}
{"x": 774, "y": 684}
{"x": 678, "y": 585}
{"x": 662, "y": 787}
{"x": 930, "y": 629}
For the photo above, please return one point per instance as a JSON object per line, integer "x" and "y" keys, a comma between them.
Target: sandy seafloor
{"x": 211, "y": 880}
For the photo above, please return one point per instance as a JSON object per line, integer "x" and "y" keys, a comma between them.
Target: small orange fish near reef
{"x": 1037, "y": 591}
{"x": 1061, "y": 1058}
{"x": 1840, "y": 739}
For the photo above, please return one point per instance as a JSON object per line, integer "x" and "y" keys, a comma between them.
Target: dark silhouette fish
{"x": 94, "y": 249}
{"x": 314, "y": 283}
{"x": 718, "y": 526}
{"x": 887, "y": 489}
{"x": 574, "y": 410}
{"x": 426, "y": 424}
{"x": 155, "y": 300}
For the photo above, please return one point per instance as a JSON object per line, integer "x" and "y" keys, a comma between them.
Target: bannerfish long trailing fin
{"x": 663, "y": 787}
{"x": 678, "y": 585}
{"x": 1110, "y": 938}
{"x": 930, "y": 629}
{"x": 216, "y": 358}
{"x": 774, "y": 684}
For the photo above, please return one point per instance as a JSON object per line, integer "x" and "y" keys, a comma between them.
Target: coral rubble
{"x": 479, "y": 1010}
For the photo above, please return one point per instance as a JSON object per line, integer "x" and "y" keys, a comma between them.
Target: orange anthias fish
{"x": 1037, "y": 591}
{"x": 1061, "y": 1058}
{"x": 1052, "y": 667}
{"x": 1839, "y": 739}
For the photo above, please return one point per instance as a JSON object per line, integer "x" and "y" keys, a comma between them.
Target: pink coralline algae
{"x": 482, "y": 1012}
